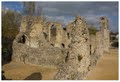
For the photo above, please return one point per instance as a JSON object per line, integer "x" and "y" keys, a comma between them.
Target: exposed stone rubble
{"x": 73, "y": 51}
{"x": 79, "y": 58}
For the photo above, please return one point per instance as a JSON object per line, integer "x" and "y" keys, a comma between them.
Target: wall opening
{"x": 102, "y": 18}
{"x": 90, "y": 50}
{"x": 45, "y": 35}
{"x": 68, "y": 35}
{"x": 52, "y": 45}
{"x": 53, "y": 26}
{"x": 66, "y": 58}
{"x": 53, "y": 31}
{"x": 63, "y": 45}
{"x": 79, "y": 58}
{"x": 22, "y": 39}
{"x": 64, "y": 29}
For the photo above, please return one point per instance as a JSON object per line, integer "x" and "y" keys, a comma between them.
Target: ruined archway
{"x": 23, "y": 39}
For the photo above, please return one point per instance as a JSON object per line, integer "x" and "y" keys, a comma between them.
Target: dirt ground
{"x": 106, "y": 69}
{"x": 18, "y": 71}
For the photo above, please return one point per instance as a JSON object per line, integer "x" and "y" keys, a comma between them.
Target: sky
{"x": 65, "y": 12}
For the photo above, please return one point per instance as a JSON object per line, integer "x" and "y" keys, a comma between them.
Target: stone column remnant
{"x": 76, "y": 66}
{"x": 105, "y": 33}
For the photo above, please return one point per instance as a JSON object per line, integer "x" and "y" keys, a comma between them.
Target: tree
{"x": 92, "y": 29}
{"x": 32, "y": 8}
{"x": 10, "y": 24}
{"x": 29, "y": 8}
{"x": 38, "y": 9}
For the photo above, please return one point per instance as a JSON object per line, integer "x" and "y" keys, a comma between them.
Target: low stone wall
{"x": 46, "y": 56}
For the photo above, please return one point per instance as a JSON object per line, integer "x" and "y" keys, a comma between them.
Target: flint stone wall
{"x": 79, "y": 59}
{"x": 39, "y": 56}
{"x": 73, "y": 51}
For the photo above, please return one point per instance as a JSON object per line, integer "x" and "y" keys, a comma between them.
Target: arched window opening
{"x": 45, "y": 35}
{"x": 22, "y": 39}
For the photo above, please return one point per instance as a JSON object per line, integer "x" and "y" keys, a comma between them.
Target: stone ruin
{"x": 72, "y": 50}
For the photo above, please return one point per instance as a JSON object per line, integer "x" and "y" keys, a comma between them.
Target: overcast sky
{"x": 65, "y": 12}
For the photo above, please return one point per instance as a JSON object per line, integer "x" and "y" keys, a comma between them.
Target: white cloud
{"x": 104, "y": 8}
{"x": 91, "y": 19}
{"x": 91, "y": 11}
{"x": 50, "y": 9}
{"x": 64, "y": 20}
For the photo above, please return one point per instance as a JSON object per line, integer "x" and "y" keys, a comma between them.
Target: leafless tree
{"x": 32, "y": 8}
{"x": 29, "y": 8}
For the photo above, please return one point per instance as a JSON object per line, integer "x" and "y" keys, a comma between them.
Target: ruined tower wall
{"x": 36, "y": 32}
{"x": 23, "y": 26}
{"x": 105, "y": 33}
{"x": 73, "y": 51}
{"x": 97, "y": 49}
{"x": 80, "y": 43}
{"x": 38, "y": 51}
{"x": 59, "y": 37}
{"x": 65, "y": 39}
{"x": 78, "y": 56}
{"x": 99, "y": 43}
{"x": 59, "y": 32}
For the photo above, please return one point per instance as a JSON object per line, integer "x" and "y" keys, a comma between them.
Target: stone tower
{"x": 105, "y": 33}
